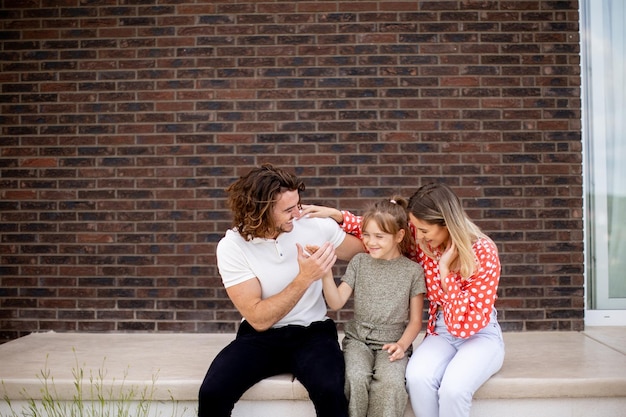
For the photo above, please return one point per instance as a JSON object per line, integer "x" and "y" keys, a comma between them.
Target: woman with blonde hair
{"x": 463, "y": 346}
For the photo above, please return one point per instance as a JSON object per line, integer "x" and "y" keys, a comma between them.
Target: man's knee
{"x": 215, "y": 398}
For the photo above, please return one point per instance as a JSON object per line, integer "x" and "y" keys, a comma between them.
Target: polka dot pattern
{"x": 468, "y": 303}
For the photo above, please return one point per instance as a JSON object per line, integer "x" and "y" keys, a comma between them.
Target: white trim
{"x": 605, "y": 318}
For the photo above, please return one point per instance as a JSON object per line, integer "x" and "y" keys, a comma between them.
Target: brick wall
{"x": 123, "y": 121}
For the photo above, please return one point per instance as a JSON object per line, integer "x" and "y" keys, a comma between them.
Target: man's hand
{"x": 315, "y": 262}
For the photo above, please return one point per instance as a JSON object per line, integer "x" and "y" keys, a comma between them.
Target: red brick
{"x": 123, "y": 126}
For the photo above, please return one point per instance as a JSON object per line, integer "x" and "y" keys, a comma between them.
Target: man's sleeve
{"x": 232, "y": 263}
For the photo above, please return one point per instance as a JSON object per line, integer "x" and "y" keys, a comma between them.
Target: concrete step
{"x": 545, "y": 374}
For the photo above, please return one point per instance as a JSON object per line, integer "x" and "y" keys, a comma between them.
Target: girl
{"x": 388, "y": 290}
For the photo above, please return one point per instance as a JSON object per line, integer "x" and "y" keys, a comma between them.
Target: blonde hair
{"x": 437, "y": 204}
{"x": 391, "y": 217}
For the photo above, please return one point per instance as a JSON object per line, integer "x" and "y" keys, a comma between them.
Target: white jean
{"x": 445, "y": 371}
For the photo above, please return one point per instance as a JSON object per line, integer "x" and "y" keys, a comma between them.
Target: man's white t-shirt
{"x": 275, "y": 263}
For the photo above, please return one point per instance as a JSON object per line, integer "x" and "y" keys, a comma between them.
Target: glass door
{"x": 604, "y": 140}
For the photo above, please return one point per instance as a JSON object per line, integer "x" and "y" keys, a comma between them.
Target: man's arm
{"x": 264, "y": 313}
{"x": 350, "y": 246}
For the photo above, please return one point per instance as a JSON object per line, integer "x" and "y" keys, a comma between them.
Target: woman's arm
{"x": 467, "y": 305}
{"x": 321, "y": 211}
{"x": 349, "y": 222}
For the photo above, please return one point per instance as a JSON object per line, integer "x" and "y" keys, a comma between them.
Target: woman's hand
{"x": 448, "y": 255}
{"x": 309, "y": 210}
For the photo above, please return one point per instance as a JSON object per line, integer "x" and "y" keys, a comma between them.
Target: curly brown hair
{"x": 252, "y": 197}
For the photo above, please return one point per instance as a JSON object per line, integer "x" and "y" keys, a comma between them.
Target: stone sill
{"x": 589, "y": 364}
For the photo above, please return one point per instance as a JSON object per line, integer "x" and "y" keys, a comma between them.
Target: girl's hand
{"x": 395, "y": 351}
{"x": 310, "y": 249}
{"x": 309, "y": 210}
{"x": 313, "y": 266}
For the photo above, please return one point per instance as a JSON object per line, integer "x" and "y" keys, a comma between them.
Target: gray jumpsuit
{"x": 375, "y": 387}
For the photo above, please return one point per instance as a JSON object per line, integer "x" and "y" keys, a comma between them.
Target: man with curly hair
{"x": 276, "y": 286}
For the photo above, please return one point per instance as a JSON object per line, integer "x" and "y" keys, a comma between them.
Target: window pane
{"x": 604, "y": 102}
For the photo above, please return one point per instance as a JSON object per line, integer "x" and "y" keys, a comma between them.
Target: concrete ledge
{"x": 538, "y": 366}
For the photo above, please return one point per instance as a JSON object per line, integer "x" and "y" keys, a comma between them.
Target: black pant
{"x": 311, "y": 354}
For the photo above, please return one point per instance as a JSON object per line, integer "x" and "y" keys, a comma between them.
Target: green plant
{"x": 101, "y": 400}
